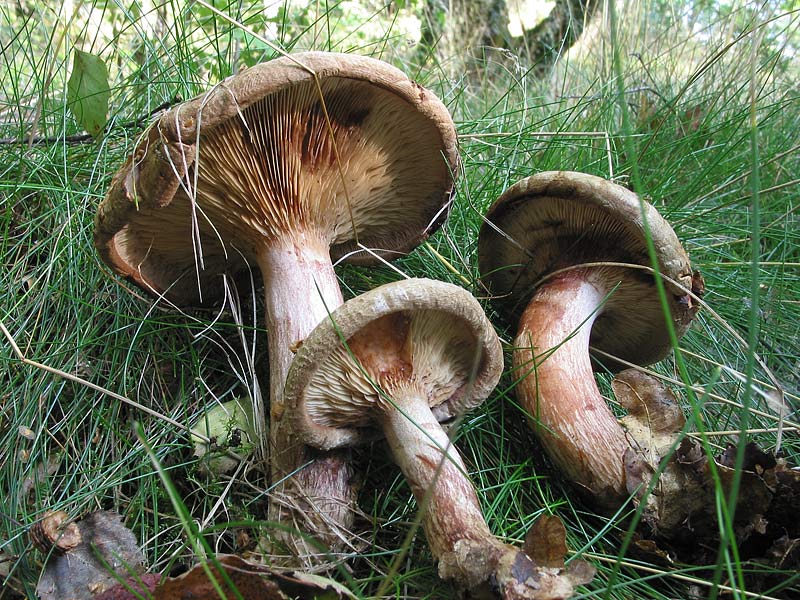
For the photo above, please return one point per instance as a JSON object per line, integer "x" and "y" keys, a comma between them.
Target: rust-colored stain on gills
{"x": 382, "y": 347}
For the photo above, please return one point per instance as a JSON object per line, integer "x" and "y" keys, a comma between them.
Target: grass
{"x": 701, "y": 122}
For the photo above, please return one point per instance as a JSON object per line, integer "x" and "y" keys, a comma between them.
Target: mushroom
{"x": 397, "y": 360}
{"x": 280, "y": 169}
{"x": 566, "y": 253}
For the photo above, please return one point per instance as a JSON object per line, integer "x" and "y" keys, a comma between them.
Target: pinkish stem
{"x": 454, "y": 525}
{"x": 301, "y": 289}
{"x": 568, "y": 413}
{"x": 418, "y": 441}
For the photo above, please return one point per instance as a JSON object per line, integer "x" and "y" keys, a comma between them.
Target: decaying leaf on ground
{"x": 546, "y": 541}
{"x": 132, "y": 588}
{"x": 546, "y": 545}
{"x": 105, "y": 551}
{"x": 98, "y": 558}
{"x": 679, "y": 515}
{"x": 253, "y": 582}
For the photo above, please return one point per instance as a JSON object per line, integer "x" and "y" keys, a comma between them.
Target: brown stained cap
{"x": 252, "y": 162}
{"x": 557, "y": 219}
{"x": 415, "y": 336}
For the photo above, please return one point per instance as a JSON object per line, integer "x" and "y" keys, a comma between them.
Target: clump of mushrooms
{"x": 279, "y": 169}
{"x": 566, "y": 253}
{"x": 397, "y": 360}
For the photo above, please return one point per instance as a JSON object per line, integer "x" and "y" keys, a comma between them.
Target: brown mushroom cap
{"x": 554, "y": 220}
{"x": 421, "y": 336}
{"x": 253, "y": 162}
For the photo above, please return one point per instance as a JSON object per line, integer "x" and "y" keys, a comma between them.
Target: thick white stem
{"x": 301, "y": 289}
{"x": 569, "y": 415}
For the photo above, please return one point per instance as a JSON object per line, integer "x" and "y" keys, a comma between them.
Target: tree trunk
{"x": 558, "y": 32}
{"x": 459, "y": 31}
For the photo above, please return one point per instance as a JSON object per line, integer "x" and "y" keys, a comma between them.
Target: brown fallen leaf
{"x": 200, "y": 582}
{"x": 133, "y": 588}
{"x": 650, "y": 405}
{"x": 679, "y": 516}
{"x": 99, "y": 559}
{"x": 546, "y": 545}
{"x": 546, "y": 541}
{"x": 253, "y": 582}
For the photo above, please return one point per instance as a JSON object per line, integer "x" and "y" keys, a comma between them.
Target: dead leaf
{"x": 253, "y": 582}
{"x": 132, "y": 589}
{"x": 784, "y": 553}
{"x": 698, "y": 284}
{"x": 650, "y": 550}
{"x": 107, "y": 551}
{"x": 231, "y": 573}
{"x": 755, "y": 459}
{"x": 679, "y": 516}
{"x": 649, "y": 403}
{"x": 308, "y": 585}
{"x": 546, "y": 542}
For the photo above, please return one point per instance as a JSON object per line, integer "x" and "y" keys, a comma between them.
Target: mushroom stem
{"x": 436, "y": 474}
{"x": 454, "y": 525}
{"x": 300, "y": 290}
{"x": 558, "y": 389}
{"x": 312, "y": 490}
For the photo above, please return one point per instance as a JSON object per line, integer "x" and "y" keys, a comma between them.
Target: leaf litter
{"x": 679, "y": 516}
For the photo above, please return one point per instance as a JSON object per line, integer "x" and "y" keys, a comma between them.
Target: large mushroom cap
{"x": 260, "y": 158}
{"x": 419, "y": 335}
{"x": 555, "y": 220}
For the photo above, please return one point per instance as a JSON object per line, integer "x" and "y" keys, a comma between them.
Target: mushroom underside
{"x": 290, "y": 165}
{"x": 429, "y": 352}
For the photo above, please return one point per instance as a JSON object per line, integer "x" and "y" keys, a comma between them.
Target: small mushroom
{"x": 279, "y": 169}
{"x": 396, "y": 361}
{"x": 538, "y": 253}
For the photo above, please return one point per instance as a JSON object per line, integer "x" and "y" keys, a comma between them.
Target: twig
{"x": 447, "y": 264}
